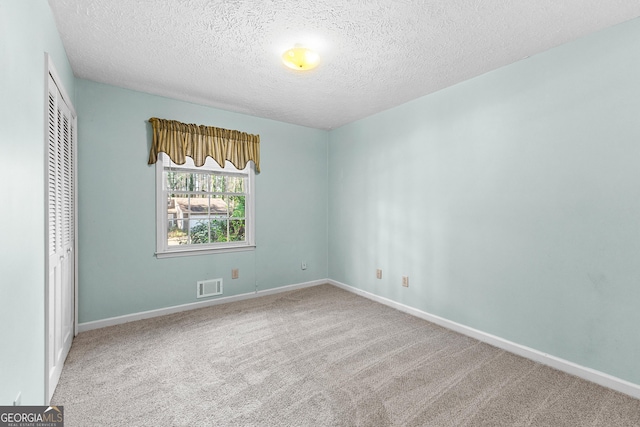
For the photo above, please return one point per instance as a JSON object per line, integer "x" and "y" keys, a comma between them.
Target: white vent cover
{"x": 207, "y": 288}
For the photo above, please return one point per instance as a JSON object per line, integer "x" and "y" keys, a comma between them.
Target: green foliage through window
{"x": 205, "y": 207}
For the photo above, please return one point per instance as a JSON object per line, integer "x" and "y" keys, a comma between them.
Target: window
{"x": 203, "y": 209}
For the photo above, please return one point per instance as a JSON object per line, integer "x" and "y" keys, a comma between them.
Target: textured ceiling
{"x": 375, "y": 54}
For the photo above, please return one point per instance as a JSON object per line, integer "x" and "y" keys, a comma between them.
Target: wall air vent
{"x": 207, "y": 288}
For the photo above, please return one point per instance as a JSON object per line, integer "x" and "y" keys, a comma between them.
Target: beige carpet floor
{"x": 318, "y": 356}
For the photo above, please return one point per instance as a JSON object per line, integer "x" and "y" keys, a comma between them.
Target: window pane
{"x": 218, "y": 183}
{"x": 218, "y": 206}
{"x": 170, "y": 180}
{"x": 199, "y": 231}
{"x": 185, "y": 181}
{"x": 176, "y": 181}
{"x": 235, "y": 184}
{"x": 200, "y": 182}
{"x": 175, "y": 234}
{"x": 197, "y": 206}
{"x": 236, "y": 206}
{"x": 236, "y": 230}
{"x": 219, "y": 230}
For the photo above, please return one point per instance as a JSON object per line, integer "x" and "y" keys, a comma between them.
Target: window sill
{"x": 172, "y": 253}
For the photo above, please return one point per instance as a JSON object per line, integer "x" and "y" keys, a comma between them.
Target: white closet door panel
{"x": 61, "y": 229}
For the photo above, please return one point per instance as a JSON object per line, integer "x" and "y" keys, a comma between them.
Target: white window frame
{"x": 162, "y": 248}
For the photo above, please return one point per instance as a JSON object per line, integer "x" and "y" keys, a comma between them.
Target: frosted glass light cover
{"x": 300, "y": 58}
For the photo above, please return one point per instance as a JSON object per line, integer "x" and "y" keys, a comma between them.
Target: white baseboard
{"x": 111, "y": 321}
{"x": 588, "y": 374}
{"x": 583, "y": 372}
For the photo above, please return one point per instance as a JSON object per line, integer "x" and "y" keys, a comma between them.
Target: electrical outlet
{"x": 405, "y": 281}
{"x": 378, "y": 274}
{"x": 303, "y": 265}
{"x": 235, "y": 273}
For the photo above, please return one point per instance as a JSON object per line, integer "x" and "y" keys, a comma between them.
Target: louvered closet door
{"x": 61, "y": 233}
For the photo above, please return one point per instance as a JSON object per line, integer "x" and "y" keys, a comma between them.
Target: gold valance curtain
{"x": 180, "y": 140}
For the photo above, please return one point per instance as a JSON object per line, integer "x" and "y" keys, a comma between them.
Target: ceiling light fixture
{"x": 300, "y": 58}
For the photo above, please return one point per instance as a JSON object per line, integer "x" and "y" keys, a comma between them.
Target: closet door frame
{"x": 51, "y": 73}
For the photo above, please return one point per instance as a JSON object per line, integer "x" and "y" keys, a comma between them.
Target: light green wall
{"x": 119, "y": 273}
{"x": 512, "y": 201}
{"x": 27, "y": 31}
